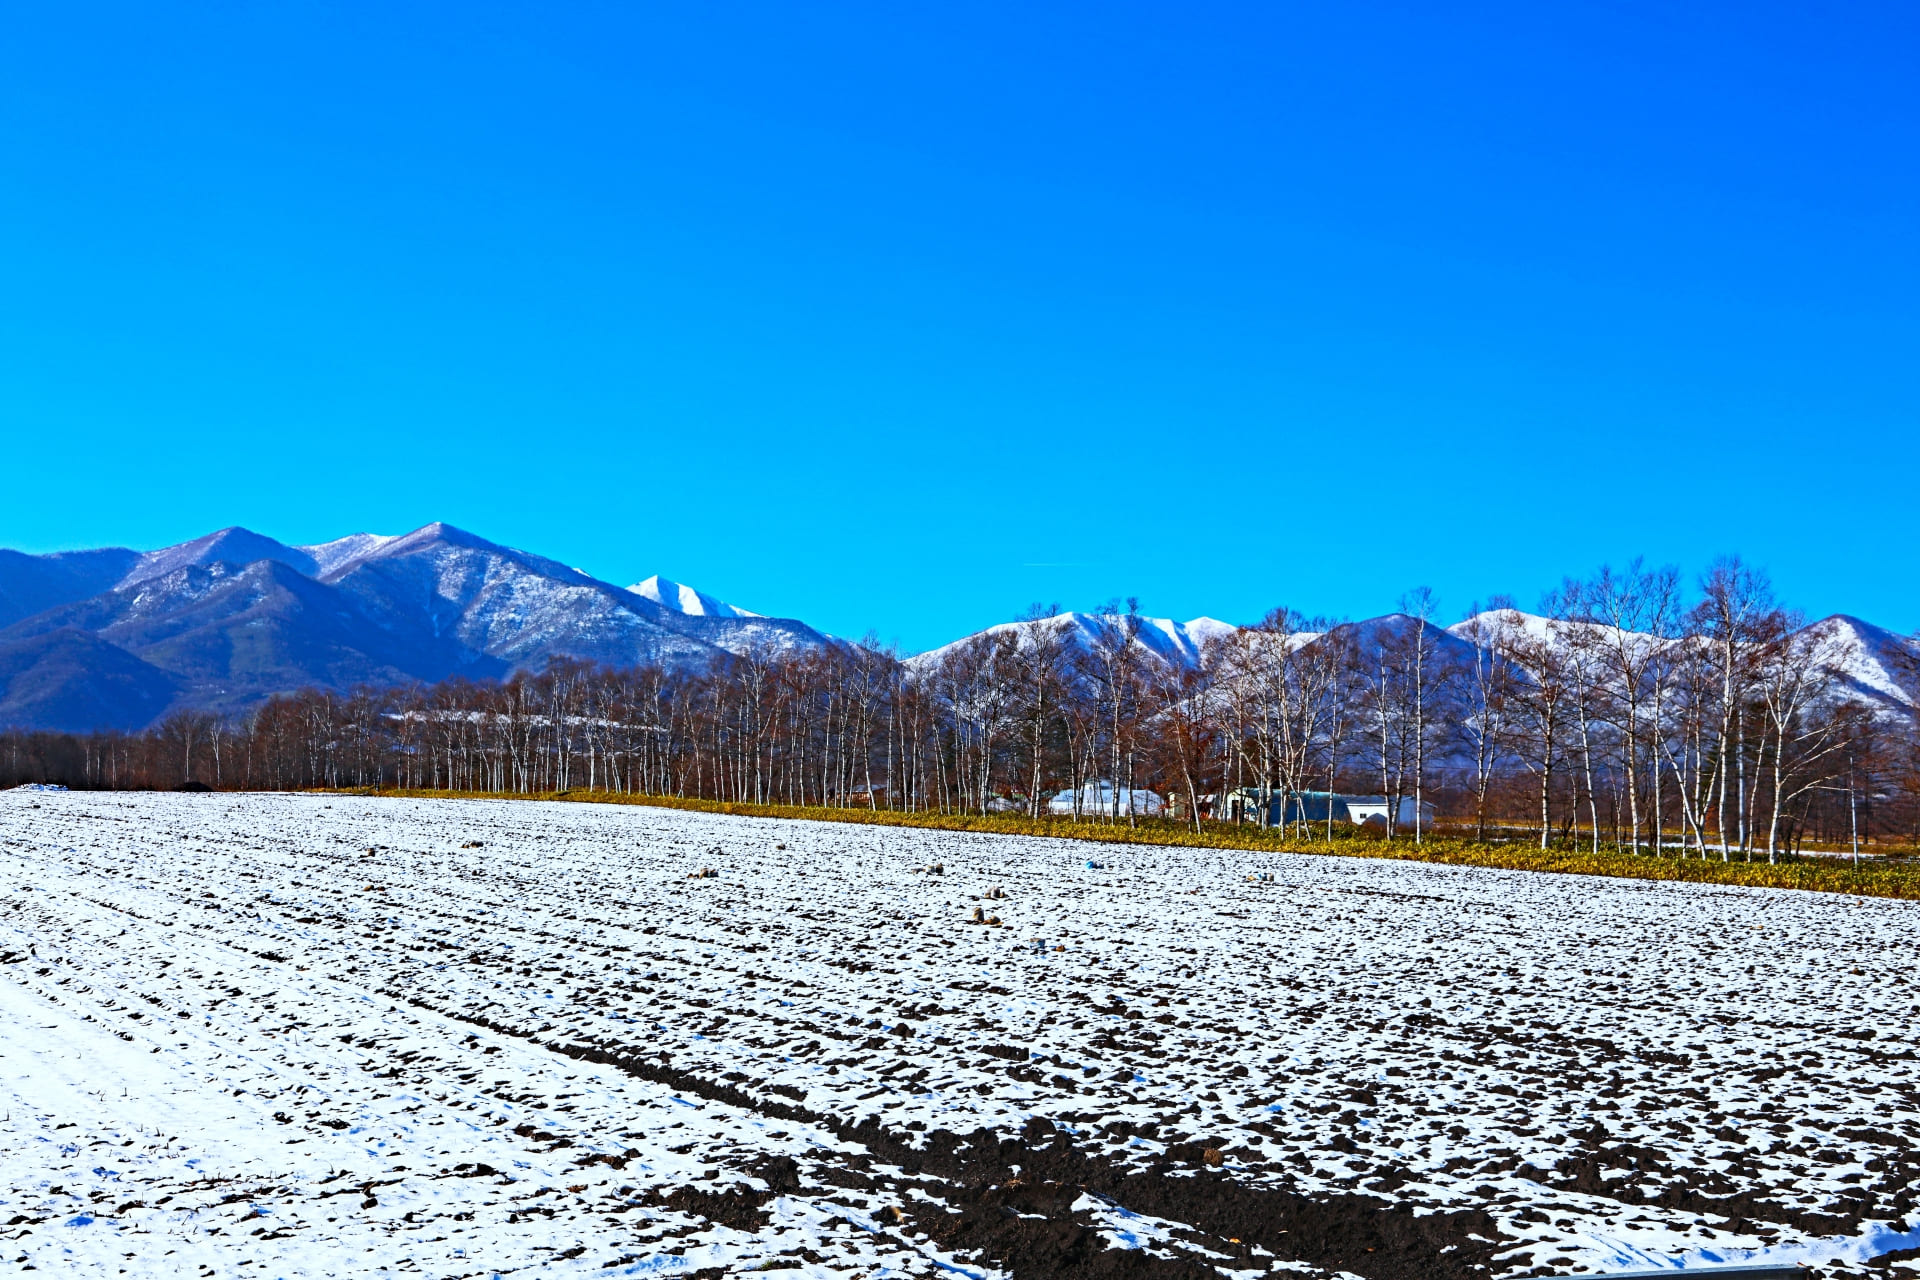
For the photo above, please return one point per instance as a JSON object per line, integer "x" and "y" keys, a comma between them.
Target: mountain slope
{"x": 331, "y": 557}
{"x": 1874, "y": 664}
{"x": 524, "y": 609}
{"x": 1160, "y": 639}
{"x": 1446, "y": 647}
{"x": 681, "y": 598}
{"x": 31, "y": 584}
{"x": 230, "y": 635}
{"x": 519, "y": 608}
{"x": 228, "y": 546}
{"x": 726, "y": 626}
{"x": 72, "y": 681}
{"x": 224, "y": 621}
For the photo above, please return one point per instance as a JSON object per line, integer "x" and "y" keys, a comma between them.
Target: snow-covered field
{"x": 293, "y": 1035}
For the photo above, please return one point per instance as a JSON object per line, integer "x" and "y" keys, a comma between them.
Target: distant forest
{"x": 1620, "y": 710}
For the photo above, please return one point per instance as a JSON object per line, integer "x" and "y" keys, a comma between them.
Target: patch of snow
{"x": 681, "y": 598}
{"x": 328, "y": 557}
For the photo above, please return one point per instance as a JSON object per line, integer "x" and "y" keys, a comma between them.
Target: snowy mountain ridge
{"x": 1176, "y": 643}
{"x": 114, "y": 638}
{"x": 1873, "y": 664}
{"x": 682, "y": 598}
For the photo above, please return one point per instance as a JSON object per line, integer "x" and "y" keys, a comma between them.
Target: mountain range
{"x": 1875, "y": 666}
{"x": 115, "y": 638}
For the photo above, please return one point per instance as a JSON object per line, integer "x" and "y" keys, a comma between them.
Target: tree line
{"x": 1624, "y": 712}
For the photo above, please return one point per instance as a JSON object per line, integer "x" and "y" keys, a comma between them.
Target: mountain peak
{"x": 233, "y": 545}
{"x": 1178, "y": 644}
{"x": 441, "y": 531}
{"x": 681, "y": 598}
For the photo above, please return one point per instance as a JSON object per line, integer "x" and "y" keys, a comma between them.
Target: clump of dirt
{"x": 1011, "y": 1199}
{"x": 1043, "y": 1171}
{"x": 738, "y": 1206}
{"x": 1651, "y": 1180}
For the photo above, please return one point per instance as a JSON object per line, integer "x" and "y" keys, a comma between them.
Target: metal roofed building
{"x": 1097, "y": 798}
{"x": 1245, "y": 803}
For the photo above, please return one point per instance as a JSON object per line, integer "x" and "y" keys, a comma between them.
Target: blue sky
{"x": 904, "y": 317}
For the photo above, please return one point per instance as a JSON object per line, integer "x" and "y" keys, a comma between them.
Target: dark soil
{"x": 1009, "y": 1199}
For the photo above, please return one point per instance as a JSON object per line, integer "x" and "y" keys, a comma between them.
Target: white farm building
{"x": 1096, "y": 798}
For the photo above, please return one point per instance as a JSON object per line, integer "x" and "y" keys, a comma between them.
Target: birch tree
{"x": 1489, "y": 688}
{"x": 1540, "y": 699}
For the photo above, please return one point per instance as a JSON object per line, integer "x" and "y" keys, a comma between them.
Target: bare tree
{"x": 1113, "y": 662}
{"x": 183, "y": 732}
{"x": 1797, "y": 674}
{"x": 1182, "y": 713}
{"x": 1042, "y": 671}
{"x": 1422, "y": 655}
{"x": 1632, "y": 607}
{"x": 1735, "y": 600}
{"x": 1489, "y": 689}
{"x": 1540, "y": 699}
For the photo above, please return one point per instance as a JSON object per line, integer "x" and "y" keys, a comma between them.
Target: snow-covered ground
{"x": 292, "y": 1035}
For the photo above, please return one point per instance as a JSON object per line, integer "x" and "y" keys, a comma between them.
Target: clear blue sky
{"x": 904, "y": 316}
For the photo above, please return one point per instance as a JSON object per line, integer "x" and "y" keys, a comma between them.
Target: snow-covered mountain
{"x": 1445, "y": 645}
{"x": 228, "y": 546}
{"x": 508, "y": 605}
{"x": 1163, "y": 639}
{"x": 681, "y": 598}
{"x": 1482, "y": 627}
{"x": 523, "y": 608}
{"x": 115, "y": 638}
{"x": 1879, "y": 667}
{"x": 330, "y": 557}
{"x": 1874, "y": 665}
{"x": 1180, "y": 644}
